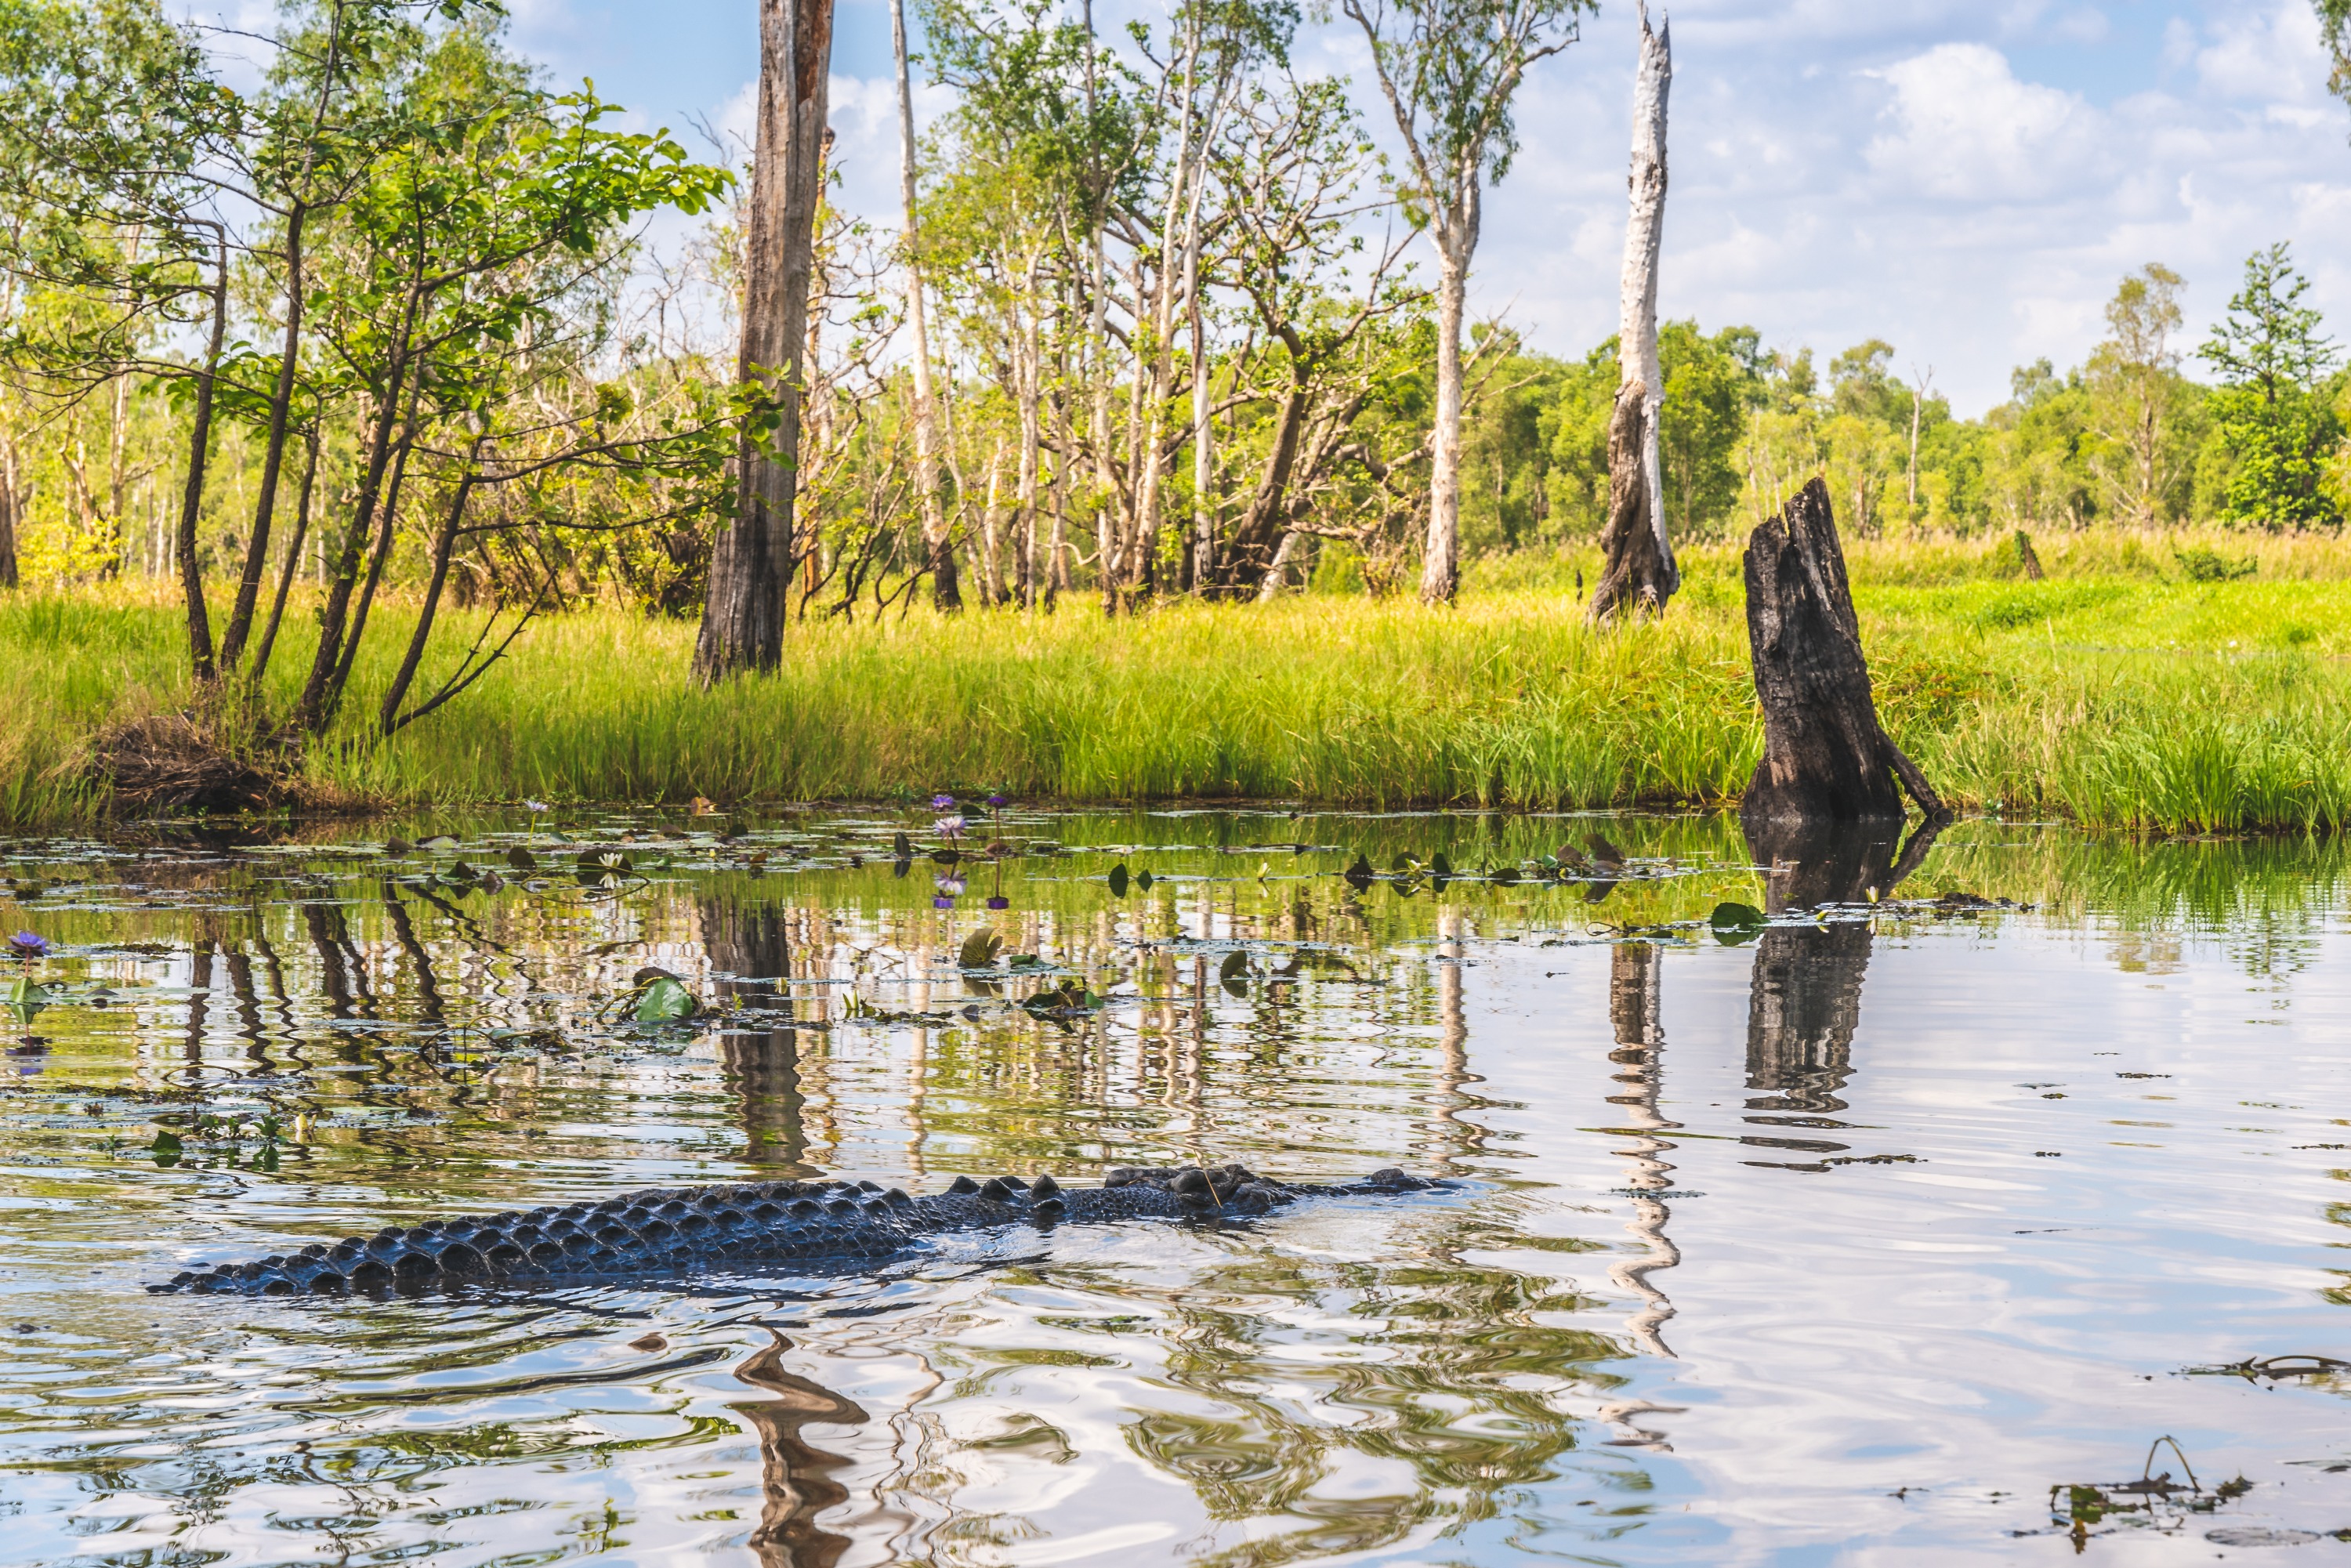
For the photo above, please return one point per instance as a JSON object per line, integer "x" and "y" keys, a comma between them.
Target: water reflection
{"x": 1467, "y": 1381}
{"x": 795, "y": 1478}
{"x": 1804, "y": 999}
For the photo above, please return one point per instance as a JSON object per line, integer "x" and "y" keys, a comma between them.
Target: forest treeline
{"x": 383, "y": 320}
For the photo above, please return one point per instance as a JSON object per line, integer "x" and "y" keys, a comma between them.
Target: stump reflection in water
{"x": 1804, "y": 999}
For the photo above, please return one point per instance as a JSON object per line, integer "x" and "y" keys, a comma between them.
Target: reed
{"x": 2106, "y": 694}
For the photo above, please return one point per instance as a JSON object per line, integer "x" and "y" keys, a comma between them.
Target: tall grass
{"x": 2107, "y": 695}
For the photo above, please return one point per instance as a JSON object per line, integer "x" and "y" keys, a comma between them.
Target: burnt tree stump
{"x": 1826, "y": 757}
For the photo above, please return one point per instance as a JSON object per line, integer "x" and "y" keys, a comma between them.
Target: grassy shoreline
{"x": 2111, "y": 694}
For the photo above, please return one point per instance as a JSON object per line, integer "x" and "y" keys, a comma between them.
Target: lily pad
{"x": 979, "y": 950}
{"x": 666, "y": 1000}
{"x": 1236, "y": 965}
{"x": 1736, "y": 923}
{"x": 522, "y": 859}
{"x": 1118, "y": 881}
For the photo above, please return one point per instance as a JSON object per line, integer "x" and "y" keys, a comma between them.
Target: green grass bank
{"x": 2123, "y": 691}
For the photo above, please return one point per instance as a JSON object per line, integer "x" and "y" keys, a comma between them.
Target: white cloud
{"x": 1966, "y": 127}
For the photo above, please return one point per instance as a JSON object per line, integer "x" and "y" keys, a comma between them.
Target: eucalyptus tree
{"x": 1448, "y": 70}
{"x": 108, "y": 117}
{"x": 752, "y": 558}
{"x": 501, "y": 205}
{"x": 1291, "y": 169}
{"x": 945, "y": 592}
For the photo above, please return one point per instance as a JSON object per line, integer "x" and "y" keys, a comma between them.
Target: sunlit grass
{"x": 2111, "y": 694}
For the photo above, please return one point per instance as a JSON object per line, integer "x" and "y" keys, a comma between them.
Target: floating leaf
{"x": 979, "y": 950}
{"x": 901, "y": 847}
{"x": 1024, "y": 961}
{"x": 1235, "y": 965}
{"x": 1360, "y": 876}
{"x": 1439, "y": 865}
{"x": 1118, "y": 880}
{"x": 1404, "y": 863}
{"x": 666, "y": 1000}
{"x": 1142, "y": 881}
{"x": 438, "y": 841}
{"x": 166, "y": 1148}
{"x": 398, "y": 847}
{"x": 268, "y": 1159}
{"x": 522, "y": 859}
{"x": 1736, "y": 923}
{"x": 1507, "y": 875}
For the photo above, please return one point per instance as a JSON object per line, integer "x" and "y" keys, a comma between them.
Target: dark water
{"x": 1897, "y": 1235}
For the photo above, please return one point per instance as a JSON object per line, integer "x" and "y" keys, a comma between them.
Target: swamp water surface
{"x": 1905, "y": 1231}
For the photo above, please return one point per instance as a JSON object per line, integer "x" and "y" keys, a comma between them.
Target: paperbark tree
{"x": 751, "y": 561}
{"x": 1639, "y": 570}
{"x": 945, "y": 592}
{"x": 1448, "y": 69}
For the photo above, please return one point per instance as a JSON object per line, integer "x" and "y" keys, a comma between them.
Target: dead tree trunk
{"x": 1640, "y": 571}
{"x": 1635, "y": 572}
{"x": 1826, "y": 759}
{"x": 751, "y": 564}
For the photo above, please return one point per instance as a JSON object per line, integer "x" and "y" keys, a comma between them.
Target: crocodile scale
{"x": 668, "y": 1231}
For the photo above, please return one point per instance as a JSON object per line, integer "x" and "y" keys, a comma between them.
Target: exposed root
{"x": 182, "y": 762}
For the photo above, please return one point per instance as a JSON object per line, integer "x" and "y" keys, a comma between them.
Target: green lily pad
{"x": 1236, "y": 966}
{"x": 1118, "y": 881}
{"x": 1736, "y": 923}
{"x": 979, "y": 950}
{"x": 666, "y": 1000}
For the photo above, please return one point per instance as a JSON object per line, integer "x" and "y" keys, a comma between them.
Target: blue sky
{"x": 1967, "y": 179}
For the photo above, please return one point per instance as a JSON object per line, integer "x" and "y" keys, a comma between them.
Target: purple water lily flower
{"x": 996, "y": 802}
{"x": 25, "y": 945}
{"x": 942, "y": 802}
{"x": 999, "y": 904}
{"x": 950, "y": 827}
{"x": 943, "y": 901}
{"x": 951, "y": 886}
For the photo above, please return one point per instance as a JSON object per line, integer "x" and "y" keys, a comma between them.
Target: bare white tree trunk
{"x": 1440, "y": 566}
{"x": 946, "y": 592}
{"x": 1644, "y": 236}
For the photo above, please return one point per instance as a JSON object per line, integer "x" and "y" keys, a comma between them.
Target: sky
{"x": 1967, "y": 180}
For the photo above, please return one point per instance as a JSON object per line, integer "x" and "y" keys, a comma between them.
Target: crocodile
{"x": 681, "y": 1230}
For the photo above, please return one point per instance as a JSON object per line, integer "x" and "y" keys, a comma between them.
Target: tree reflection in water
{"x": 795, "y": 1478}
{"x": 1804, "y": 999}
